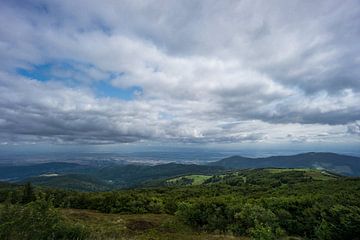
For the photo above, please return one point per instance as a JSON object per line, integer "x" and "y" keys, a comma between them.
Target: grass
{"x": 321, "y": 175}
{"x": 280, "y": 170}
{"x": 137, "y": 226}
{"x": 315, "y": 174}
{"x": 196, "y": 179}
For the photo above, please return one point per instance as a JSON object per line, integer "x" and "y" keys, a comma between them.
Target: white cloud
{"x": 212, "y": 71}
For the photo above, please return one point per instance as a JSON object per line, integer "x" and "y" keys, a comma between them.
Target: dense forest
{"x": 255, "y": 203}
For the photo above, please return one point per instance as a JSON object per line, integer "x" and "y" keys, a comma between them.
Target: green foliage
{"x": 207, "y": 215}
{"x": 28, "y": 193}
{"x": 262, "y": 232}
{"x": 35, "y": 220}
{"x": 216, "y": 215}
{"x": 252, "y": 216}
{"x": 340, "y": 222}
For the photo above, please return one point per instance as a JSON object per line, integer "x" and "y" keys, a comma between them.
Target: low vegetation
{"x": 37, "y": 220}
{"x": 188, "y": 180}
{"x": 137, "y": 226}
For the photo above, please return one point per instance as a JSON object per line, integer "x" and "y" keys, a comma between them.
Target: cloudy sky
{"x": 189, "y": 72}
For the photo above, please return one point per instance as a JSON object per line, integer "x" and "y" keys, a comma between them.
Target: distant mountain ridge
{"x": 110, "y": 177}
{"x": 342, "y": 164}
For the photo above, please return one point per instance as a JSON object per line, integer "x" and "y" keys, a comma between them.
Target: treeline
{"x": 274, "y": 218}
{"x": 256, "y": 203}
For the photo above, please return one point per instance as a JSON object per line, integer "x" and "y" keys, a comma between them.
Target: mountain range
{"x": 341, "y": 164}
{"x": 77, "y": 176}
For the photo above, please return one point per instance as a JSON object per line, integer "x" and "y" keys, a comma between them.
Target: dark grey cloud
{"x": 54, "y": 113}
{"x": 354, "y": 128}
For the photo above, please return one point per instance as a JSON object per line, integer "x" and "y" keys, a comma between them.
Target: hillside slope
{"x": 117, "y": 176}
{"x": 342, "y": 164}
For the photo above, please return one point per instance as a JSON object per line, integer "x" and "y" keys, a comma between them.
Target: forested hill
{"x": 90, "y": 178}
{"x": 342, "y": 164}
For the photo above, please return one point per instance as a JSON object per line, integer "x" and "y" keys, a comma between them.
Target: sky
{"x": 180, "y": 73}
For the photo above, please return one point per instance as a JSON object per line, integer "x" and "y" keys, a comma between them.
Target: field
{"x": 136, "y": 226}
{"x": 193, "y": 179}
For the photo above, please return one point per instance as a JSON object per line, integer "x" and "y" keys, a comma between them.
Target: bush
{"x": 207, "y": 215}
{"x": 36, "y": 220}
{"x": 253, "y": 216}
{"x": 28, "y": 193}
{"x": 262, "y": 232}
{"x": 340, "y": 222}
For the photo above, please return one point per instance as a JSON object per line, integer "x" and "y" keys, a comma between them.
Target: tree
{"x": 28, "y": 193}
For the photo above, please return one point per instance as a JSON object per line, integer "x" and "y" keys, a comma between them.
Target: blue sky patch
{"x": 38, "y": 72}
{"x": 69, "y": 72}
{"x": 105, "y": 89}
{"x": 66, "y": 71}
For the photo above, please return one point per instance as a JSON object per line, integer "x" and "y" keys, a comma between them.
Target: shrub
{"x": 36, "y": 220}
{"x": 340, "y": 222}
{"x": 28, "y": 193}
{"x": 262, "y": 232}
{"x": 207, "y": 215}
{"x": 251, "y": 216}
